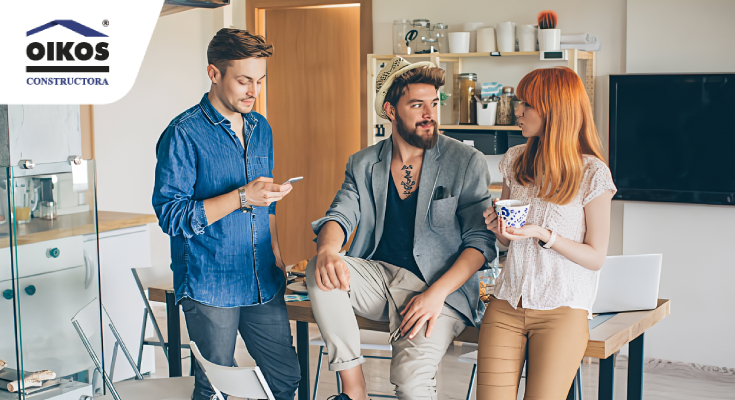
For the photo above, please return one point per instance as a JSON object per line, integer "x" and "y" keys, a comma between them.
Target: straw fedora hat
{"x": 397, "y": 66}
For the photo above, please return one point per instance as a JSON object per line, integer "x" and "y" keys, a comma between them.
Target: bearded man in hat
{"x": 416, "y": 200}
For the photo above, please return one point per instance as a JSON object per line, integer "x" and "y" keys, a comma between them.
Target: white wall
{"x": 680, "y": 36}
{"x": 695, "y": 240}
{"x": 172, "y": 78}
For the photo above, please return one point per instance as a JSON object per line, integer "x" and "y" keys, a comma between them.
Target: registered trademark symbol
{"x": 105, "y": 23}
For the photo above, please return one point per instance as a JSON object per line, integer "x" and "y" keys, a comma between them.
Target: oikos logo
{"x": 61, "y": 59}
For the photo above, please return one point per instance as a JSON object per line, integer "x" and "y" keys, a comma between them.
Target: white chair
{"x": 471, "y": 358}
{"x": 369, "y": 340}
{"x": 243, "y": 382}
{"x": 139, "y": 274}
{"x": 87, "y": 324}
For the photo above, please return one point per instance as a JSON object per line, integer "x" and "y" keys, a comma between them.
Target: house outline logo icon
{"x": 68, "y": 24}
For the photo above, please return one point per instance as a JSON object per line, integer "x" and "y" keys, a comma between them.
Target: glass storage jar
{"x": 505, "y": 108}
{"x": 401, "y": 27}
{"x": 467, "y": 110}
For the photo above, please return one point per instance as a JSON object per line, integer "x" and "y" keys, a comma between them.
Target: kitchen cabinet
{"x": 42, "y": 133}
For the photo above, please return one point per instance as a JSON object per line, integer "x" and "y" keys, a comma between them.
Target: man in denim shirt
{"x": 214, "y": 195}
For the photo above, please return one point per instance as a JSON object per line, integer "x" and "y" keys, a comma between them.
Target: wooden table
{"x": 605, "y": 340}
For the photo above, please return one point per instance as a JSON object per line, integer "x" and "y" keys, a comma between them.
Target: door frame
{"x": 255, "y": 20}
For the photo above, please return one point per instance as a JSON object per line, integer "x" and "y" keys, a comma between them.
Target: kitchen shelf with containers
{"x": 582, "y": 62}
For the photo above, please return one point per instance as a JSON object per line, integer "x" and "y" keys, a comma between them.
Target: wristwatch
{"x": 547, "y": 245}
{"x": 244, "y": 205}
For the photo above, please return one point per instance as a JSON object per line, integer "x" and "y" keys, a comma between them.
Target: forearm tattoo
{"x": 408, "y": 183}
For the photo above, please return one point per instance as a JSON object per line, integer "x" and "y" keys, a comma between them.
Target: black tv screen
{"x": 672, "y": 137}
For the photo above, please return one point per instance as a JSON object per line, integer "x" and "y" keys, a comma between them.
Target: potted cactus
{"x": 549, "y": 38}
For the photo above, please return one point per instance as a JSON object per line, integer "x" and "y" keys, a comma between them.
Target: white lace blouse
{"x": 543, "y": 278}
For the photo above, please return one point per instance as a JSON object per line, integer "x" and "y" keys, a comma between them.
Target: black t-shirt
{"x": 396, "y": 244}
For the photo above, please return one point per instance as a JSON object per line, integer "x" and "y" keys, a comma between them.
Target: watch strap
{"x": 547, "y": 245}
{"x": 244, "y": 204}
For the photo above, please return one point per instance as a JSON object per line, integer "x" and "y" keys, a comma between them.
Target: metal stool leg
{"x": 575, "y": 391}
{"x": 579, "y": 382}
{"x": 142, "y": 338}
{"x": 472, "y": 381}
{"x": 318, "y": 372}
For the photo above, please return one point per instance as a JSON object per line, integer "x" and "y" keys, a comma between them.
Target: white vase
{"x": 526, "y": 37}
{"x": 549, "y": 39}
{"x": 459, "y": 42}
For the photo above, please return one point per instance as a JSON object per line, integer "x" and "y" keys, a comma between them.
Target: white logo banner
{"x": 72, "y": 51}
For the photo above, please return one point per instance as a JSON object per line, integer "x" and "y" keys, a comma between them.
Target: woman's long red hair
{"x": 555, "y": 164}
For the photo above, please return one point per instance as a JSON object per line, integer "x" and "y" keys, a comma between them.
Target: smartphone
{"x": 293, "y": 180}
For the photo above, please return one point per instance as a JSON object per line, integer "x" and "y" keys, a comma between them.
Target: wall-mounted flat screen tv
{"x": 672, "y": 137}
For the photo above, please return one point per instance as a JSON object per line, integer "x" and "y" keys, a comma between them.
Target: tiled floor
{"x": 662, "y": 380}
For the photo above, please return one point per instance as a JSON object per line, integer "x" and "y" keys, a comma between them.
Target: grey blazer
{"x": 444, "y": 226}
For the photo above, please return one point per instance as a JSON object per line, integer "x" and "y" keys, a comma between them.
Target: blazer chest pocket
{"x": 442, "y": 212}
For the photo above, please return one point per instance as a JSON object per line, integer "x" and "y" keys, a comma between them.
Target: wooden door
{"x": 313, "y": 105}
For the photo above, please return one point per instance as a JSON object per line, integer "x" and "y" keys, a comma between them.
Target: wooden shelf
{"x": 479, "y": 128}
{"x": 580, "y": 55}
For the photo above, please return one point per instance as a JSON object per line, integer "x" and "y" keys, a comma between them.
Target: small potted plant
{"x": 549, "y": 38}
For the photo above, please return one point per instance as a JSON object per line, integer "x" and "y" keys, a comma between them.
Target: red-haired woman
{"x": 545, "y": 293}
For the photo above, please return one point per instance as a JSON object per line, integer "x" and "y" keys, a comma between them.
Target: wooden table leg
{"x": 302, "y": 350}
{"x": 607, "y": 378}
{"x": 635, "y": 369}
{"x": 174, "y": 335}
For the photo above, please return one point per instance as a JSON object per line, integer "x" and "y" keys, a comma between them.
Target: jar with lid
{"x": 467, "y": 110}
{"x": 505, "y": 107}
{"x": 423, "y": 31}
{"x": 401, "y": 27}
{"x": 440, "y": 32}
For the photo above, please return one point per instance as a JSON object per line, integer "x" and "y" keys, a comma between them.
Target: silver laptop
{"x": 628, "y": 283}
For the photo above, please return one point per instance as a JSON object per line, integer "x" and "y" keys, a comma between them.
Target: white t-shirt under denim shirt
{"x": 543, "y": 278}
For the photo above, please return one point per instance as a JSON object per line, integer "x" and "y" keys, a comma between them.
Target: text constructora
{"x": 67, "y": 81}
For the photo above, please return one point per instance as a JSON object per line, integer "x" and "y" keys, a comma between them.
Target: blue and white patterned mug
{"x": 513, "y": 212}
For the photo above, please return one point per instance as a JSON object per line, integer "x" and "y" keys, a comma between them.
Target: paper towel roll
{"x": 472, "y": 28}
{"x": 506, "y": 36}
{"x": 576, "y": 39}
{"x": 486, "y": 40}
{"x": 584, "y": 47}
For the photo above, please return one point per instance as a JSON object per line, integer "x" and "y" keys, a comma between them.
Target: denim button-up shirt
{"x": 229, "y": 263}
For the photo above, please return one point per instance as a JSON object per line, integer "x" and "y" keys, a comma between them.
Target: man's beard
{"x": 412, "y": 138}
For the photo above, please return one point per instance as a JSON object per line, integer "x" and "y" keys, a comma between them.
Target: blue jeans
{"x": 267, "y": 334}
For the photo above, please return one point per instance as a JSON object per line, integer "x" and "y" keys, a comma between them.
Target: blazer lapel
{"x": 430, "y": 170}
{"x": 380, "y": 173}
